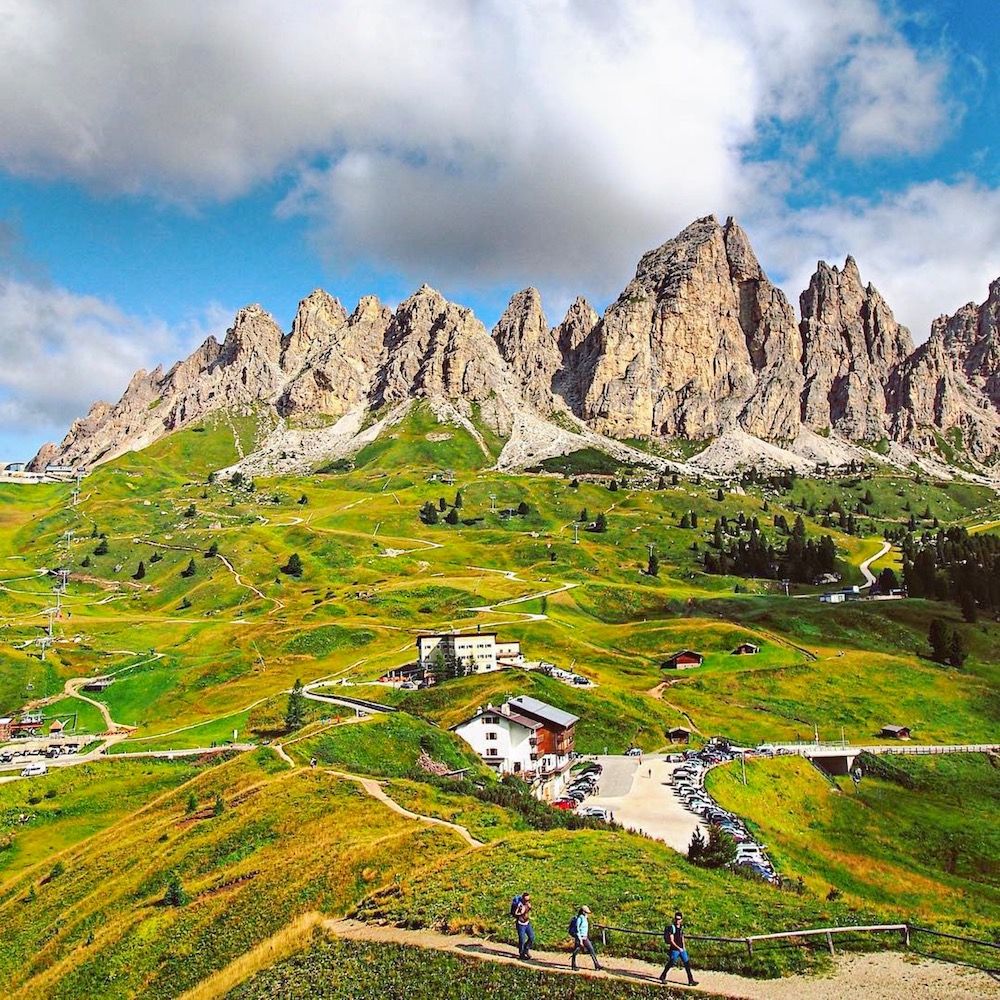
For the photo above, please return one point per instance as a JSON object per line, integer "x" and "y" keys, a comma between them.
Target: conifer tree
{"x": 939, "y": 640}
{"x": 295, "y": 713}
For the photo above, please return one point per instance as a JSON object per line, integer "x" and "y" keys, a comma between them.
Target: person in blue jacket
{"x": 580, "y": 930}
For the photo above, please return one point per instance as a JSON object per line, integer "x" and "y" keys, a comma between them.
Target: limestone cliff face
{"x": 334, "y": 361}
{"x": 317, "y": 320}
{"x": 699, "y": 341}
{"x": 851, "y": 349}
{"x": 527, "y": 344}
{"x": 240, "y": 372}
{"x": 577, "y": 344}
{"x": 948, "y": 388}
{"x": 972, "y": 338}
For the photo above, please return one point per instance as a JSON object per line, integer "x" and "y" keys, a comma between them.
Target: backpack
{"x": 573, "y": 925}
{"x": 514, "y": 905}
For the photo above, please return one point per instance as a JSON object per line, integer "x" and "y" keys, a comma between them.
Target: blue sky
{"x": 163, "y": 164}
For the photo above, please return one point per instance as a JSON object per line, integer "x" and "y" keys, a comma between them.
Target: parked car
{"x": 595, "y": 812}
{"x": 633, "y": 752}
{"x": 564, "y": 804}
{"x": 34, "y": 771}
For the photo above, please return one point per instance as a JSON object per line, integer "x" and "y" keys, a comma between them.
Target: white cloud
{"x": 467, "y": 142}
{"x": 928, "y": 249}
{"x": 59, "y": 352}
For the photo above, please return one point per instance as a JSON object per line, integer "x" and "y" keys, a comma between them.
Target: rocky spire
{"x": 575, "y": 340}
{"x": 316, "y": 322}
{"x": 335, "y": 357}
{"x": 529, "y": 347}
{"x": 699, "y": 341}
{"x": 851, "y": 348}
{"x": 435, "y": 348}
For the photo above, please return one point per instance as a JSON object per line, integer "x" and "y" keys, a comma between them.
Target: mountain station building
{"x": 524, "y": 736}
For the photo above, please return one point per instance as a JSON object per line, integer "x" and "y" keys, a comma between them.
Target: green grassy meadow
{"x": 212, "y": 633}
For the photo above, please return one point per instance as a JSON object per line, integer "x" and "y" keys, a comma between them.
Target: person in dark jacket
{"x": 581, "y": 937}
{"x": 673, "y": 935}
{"x": 525, "y": 932}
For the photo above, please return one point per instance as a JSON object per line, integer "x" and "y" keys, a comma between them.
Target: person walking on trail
{"x": 579, "y": 929}
{"x": 522, "y": 922}
{"x": 673, "y": 935}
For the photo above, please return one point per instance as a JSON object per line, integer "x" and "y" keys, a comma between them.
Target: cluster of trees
{"x": 430, "y": 513}
{"x": 952, "y": 565}
{"x": 689, "y": 519}
{"x": 443, "y": 669}
{"x": 802, "y": 560}
{"x": 947, "y": 643}
{"x": 600, "y": 524}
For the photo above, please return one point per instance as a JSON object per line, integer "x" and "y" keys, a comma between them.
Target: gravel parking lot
{"x": 636, "y": 790}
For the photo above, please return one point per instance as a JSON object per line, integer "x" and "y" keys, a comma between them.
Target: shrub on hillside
{"x": 294, "y": 565}
{"x": 175, "y": 894}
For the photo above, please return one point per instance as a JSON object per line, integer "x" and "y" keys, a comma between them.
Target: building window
{"x": 491, "y": 720}
{"x": 491, "y": 736}
{"x": 492, "y": 752}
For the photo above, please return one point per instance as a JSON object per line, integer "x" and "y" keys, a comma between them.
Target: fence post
{"x": 750, "y": 947}
{"x": 906, "y": 936}
{"x": 829, "y": 941}
{"x": 604, "y": 935}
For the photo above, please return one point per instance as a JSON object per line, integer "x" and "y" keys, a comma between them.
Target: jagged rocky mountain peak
{"x": 700, "y": 344}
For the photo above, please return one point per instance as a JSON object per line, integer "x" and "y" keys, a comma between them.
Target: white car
{"x": 595, "y": 812}
{"x": 34, "y": 771}
{"x": 633, "y": 752}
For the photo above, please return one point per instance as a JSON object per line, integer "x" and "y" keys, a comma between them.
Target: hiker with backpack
{"x": 520, "y": 910}
{"x": 579, "y": 931}
{"x": 673, "y": 935}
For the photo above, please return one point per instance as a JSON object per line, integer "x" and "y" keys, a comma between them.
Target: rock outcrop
{"x": 852, "y": 347}
{"x": 699, "y": 345}
{"x": 527, "y": 344}
{"x": 699, "y": 341}
{"x": 331, "y": 357}
{"x": 946, "y": 395}
{"x": 437, "y": 349}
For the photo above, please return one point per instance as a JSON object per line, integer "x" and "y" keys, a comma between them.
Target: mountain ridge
{"x": 700, "y": 344}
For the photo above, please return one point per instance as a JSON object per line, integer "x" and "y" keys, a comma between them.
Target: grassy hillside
{"x": 918, "y": 837}
{"x": 627, "y": 881}
{"x": 211, "y": 633}
{"x": 349, "y": 970}
{"x": 281, "y": 842}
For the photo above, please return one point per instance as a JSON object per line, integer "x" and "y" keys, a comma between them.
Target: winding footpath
{"x": 877, "y": 976}
{"x": 376, "y": 791}
{"x": 865, "y": 567}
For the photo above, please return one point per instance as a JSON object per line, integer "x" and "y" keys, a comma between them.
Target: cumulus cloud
{"x": 472, "y": 143}
{"x": 929, "y": 248}
{"x": 59, "y": 352}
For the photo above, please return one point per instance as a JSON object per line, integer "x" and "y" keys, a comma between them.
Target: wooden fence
{"x": 748, "y": 941}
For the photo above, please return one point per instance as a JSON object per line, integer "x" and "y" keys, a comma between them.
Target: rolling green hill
{"x": 211, "y": 635}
